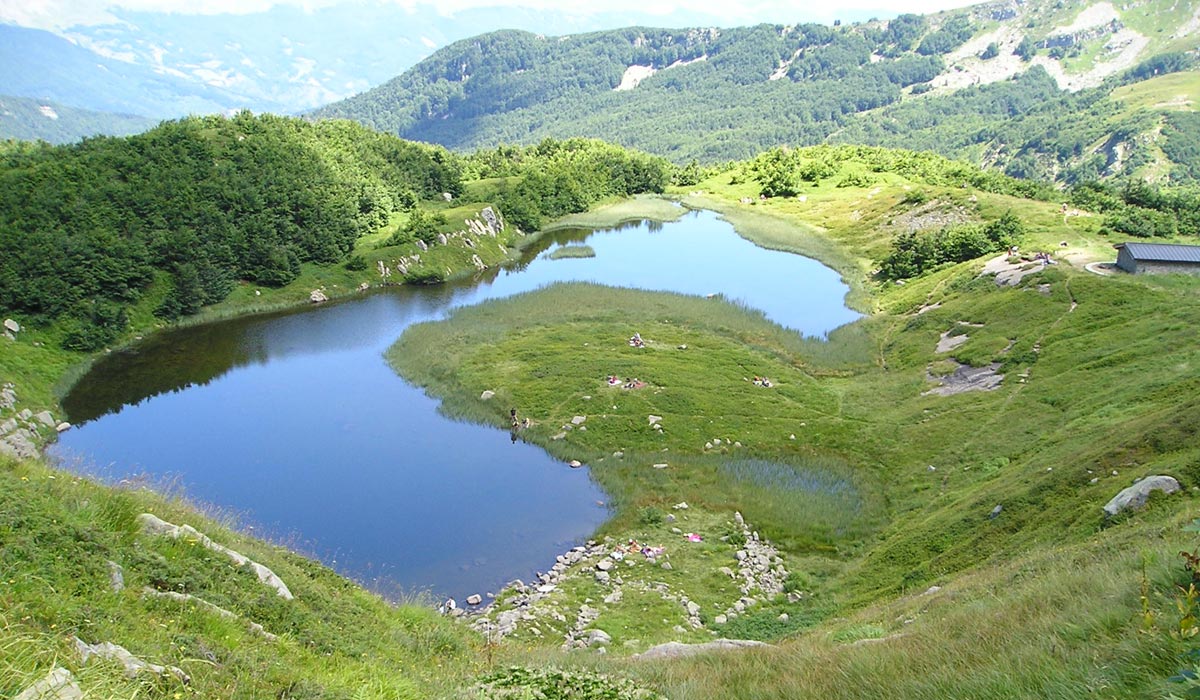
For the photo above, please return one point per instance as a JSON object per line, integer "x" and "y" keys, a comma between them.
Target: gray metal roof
{"x": 1163, "y": 252}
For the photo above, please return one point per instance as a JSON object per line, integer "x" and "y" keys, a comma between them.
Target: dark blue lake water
{"x": 294, "y": 421}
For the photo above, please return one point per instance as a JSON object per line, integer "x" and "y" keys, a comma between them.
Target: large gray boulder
{"x": 1135, "y": 496}
{"x": 674, "y": 650}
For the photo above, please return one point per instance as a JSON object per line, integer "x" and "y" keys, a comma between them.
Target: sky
{"x": 57, "y": 14}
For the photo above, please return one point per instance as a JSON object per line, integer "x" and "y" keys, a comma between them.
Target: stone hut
{"x": 1158, "y": 258}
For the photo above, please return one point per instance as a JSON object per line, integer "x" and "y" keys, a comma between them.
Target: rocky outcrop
{"x": 222, "y": 612}
{"x": 155, "y": 526}
{"x": 59, "y": 684}
{"x": 22, "y": 433}
{"x": 675, "y": 650}
{"x": 317, "y": 296}
{"x": 1134, "y": 497}
{"x": 132, "y": 664}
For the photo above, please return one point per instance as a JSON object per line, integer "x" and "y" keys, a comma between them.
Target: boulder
{"x": 1135, "y": 496}
{"x": 132, "y": 664}
{"x": 486, "y": 395}
{"x": 598, "y": 638}
{"x": 46, "y": 419}
{"x": 475, "y": 599}
{"x": 12, "y": 326}
{"x": 59, "y": 684}
{"x": 605, "y": 565}
{"x": 672, "y": 650}
{"x": 575, "y": 464}
{"x": 62, "y": 427}
{"x": 489, "y": 217}
{"x": 578, "y": 420}
{"x": 316, "y": 296}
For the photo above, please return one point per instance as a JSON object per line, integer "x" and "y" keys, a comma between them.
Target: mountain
{"x": 283, "y": 59}
{"x": 28, "y": 119}
{"x": 42, "y": 65}
{"x": 1002, "y": 83}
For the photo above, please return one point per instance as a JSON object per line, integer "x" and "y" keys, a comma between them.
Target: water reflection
{"x": 295, "y": 420}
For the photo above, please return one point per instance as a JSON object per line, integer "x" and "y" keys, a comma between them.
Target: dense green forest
{"x": 85, "y": 229}
{"x": 716, "y": 95}
{"x": 194, "y": 206}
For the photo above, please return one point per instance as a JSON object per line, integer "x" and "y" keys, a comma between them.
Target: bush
{"x": 650, "y": 516}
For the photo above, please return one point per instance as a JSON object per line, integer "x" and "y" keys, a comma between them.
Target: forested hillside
{"x": 1025, "y": 87}
{"x": 28, "y": 119}
{"x": 171, "y": 220}
{"x": 86, "y": 229}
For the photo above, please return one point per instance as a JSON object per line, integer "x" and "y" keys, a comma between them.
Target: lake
{"x": 294, "y": 423}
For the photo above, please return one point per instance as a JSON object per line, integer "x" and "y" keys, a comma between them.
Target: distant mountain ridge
{"x": 716, "y": 94}
{"x": 27, "y": 119}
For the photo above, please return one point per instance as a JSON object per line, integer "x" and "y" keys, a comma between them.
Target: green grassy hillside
{"x": 912, "y": 525}
{"x": 886, "y": 536}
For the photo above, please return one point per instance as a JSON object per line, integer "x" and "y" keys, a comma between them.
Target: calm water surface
{"x": 295, "y": 422}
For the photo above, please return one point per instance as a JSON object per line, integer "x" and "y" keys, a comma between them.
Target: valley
{"x": 814, "y": 378}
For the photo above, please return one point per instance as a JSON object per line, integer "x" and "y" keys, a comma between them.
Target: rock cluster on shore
{"x": 760, "y": 573}
{"x": 22, "y": 431}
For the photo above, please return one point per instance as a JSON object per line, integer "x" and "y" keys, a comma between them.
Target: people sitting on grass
{"x": 762, "y": 381}
{"x": 636, "y": 341}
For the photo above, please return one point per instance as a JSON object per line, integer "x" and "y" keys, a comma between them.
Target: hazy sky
{"x": 64, "y": 13}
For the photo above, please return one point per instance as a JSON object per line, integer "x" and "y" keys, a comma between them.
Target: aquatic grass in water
{"x": 573, "y": 251}
{"x": 815, "y": 502}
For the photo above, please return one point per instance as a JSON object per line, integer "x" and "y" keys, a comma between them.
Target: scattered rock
{"x": 575, "y": 464}
{"x": 116, "y": 577}
{"x": 720, "y": 620}
{"x": 486, "y": 395}
{"x": 188, "y": 598}
{"x": 578, "y": 420}
{"x": 155, "y": 526}
{"x": 783, "y": 617}
{"x": 316, "y": 296}
{"x": 967, "y": 378}
{"x": 682, "y": 505}
{"x": 132, "y": 664}
{"x": 602, "y": 577}
{"x": 12, "y": 326}
{"x": 605, "y": 565}
{"x": 931, "y": 590}
{"x": 475, "y": 599}
{"x": 59, "y": 684}
{"x": 661, "y": 465}
{"x": 559, "y": 436}
{"x": 46, "y": 419}
{"x": 654, "y": 419}
{"x": 995, "y": 511}
{"x": 598, "y": 638}
{"x": 948, "y": 342}
{"x": 674, "y": 650}
{"x": 62, "y": 427}
{"x": 1135, "y": 496}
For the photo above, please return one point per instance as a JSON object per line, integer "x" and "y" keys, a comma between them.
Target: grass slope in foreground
{"x": 1047, "y": 598}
